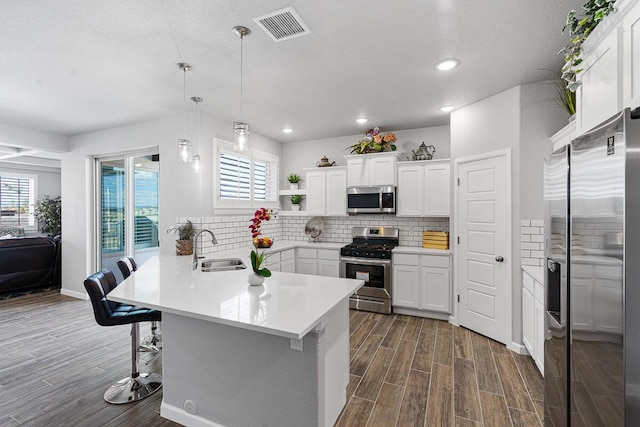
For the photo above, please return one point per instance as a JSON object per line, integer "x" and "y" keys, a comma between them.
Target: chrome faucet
{"x": 194, "y": 265}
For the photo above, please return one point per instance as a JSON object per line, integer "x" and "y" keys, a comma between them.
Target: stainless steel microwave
{"x": 371, "y": 199}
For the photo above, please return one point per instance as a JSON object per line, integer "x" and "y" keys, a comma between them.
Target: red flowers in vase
{"x": 260, "y": 215}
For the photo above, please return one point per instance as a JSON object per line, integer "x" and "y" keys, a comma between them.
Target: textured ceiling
{"x": 75, "y": 66}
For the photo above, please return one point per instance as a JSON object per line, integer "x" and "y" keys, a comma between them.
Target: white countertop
{"x": 534, "y": 271}
{"x": 420, "y": 250}
{"x": 288, "y": 304}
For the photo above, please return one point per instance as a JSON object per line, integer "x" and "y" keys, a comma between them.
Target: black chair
{"x": 110, "y": 313}
{"x": 128, "y": 265}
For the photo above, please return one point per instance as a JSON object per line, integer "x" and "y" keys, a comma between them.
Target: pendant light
{"x": 241, "y": 128}
{"x": 195, "y": 160}
{"x": 184, "y": 145}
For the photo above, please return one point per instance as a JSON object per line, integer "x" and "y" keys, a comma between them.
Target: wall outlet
{"x": 296, "y": 344}
{"x": 190, "y": 407}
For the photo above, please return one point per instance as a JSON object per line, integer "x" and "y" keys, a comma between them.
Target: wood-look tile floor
{"x": 409, "y": 371}
{"x": 56, "y": 363}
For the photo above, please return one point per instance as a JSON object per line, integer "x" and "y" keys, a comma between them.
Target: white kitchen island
{"x": 227, "y": 347}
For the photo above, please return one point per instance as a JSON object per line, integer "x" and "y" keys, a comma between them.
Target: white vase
{"x": 293, "y": 186}
{"x": 255, "y": 280}
{"x": 295, "y": 208}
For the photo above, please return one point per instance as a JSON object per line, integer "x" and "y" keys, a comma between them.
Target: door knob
{"x": 499, "y": 259}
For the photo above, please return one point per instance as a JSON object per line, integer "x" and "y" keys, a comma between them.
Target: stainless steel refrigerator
{"x": 592, "y": 294}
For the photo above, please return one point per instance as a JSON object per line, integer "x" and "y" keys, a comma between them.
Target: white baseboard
{"x": 518, "y": 348}
{"x": 183, "y": 417}
{"x": 421, "y": 313}
{"x": 74, "y": 294}
{"x": 453, "y": 321}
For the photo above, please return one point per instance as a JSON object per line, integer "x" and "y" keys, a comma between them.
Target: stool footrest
{"x": 133, "y": 389}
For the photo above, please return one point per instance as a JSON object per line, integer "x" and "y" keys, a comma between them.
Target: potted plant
{"x": 374, "y": 142}
{"x": 48, "y": 211}
{"x": 579, "y": 29}
{"x": 257, "y": 259}
{"x": 295, "y": 202}
{"x": 293, "y": 179}
{"x": 566, "y": 98}
{"x": 184, "y": 243}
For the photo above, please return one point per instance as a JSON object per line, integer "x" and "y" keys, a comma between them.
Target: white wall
{"x": 520, "y": 119}
{"x": 182, "y": 192}
{"x": 542, "y": 116}
{"x": 33, "y": 139}
{"x": 305, "y": 154}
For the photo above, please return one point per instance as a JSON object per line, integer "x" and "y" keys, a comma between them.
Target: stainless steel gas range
{"x": 369, "y": 258}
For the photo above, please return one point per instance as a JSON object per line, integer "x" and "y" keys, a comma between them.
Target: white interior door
{"x": 483, "y": 266}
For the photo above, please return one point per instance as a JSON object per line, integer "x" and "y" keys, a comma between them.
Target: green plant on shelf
{"x": 293, "y": 178}
{"x": 296, "y": 199}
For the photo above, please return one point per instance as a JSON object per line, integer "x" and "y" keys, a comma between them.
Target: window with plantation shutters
{"x": 235, "y": 177}
{"x": 17, "y": 199}
{"x": 245, "y": 180}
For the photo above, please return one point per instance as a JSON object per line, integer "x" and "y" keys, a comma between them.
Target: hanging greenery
{"x": 48, "y": 211}
{"x": 579, "y": 27}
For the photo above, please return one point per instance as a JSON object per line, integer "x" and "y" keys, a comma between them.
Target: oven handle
{"x": 367, "y": 261}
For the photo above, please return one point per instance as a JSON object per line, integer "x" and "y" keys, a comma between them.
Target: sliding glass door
{"x": 127, "y": 208}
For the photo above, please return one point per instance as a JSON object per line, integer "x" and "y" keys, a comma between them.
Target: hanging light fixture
{"x": 241, "y": 128}
{"x": 184, "y": 145}
{"x": 195, "y": 160}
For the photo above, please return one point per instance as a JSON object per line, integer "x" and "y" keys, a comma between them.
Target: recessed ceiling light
{"x": 362, "y": 120}
{"x": 446, "y": 108}
{"x": 447, "y": 64}
{"x": 287, "y": 130}
{"x": 138, "y": 165}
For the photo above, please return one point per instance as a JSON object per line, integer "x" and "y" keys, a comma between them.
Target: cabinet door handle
{"x": 499, "y": 258}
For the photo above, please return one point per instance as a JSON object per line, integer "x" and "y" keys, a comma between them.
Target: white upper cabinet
{"x": 437, "y": 178}
{"x": 631, "y": 55}
{"x": 336, "y": 190}
{"x": 316, "y": 191}
{"x": 357, "y": 171}
{"x": 610, "y": 81}
{"x": 327, "y": 191}
{"x": 371, "y": 169}
{"x": 410, "y": 191}
{"x": 598, "y": 96}
{"x": 424, "y": 188}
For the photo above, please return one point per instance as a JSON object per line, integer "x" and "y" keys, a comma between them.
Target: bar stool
{"x": 110, "y": 313}
{"x": 128, "y": 265}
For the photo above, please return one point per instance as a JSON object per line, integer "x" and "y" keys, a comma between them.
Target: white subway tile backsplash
{"x": 532, "y": 242}
{"x": 233, "y": 231}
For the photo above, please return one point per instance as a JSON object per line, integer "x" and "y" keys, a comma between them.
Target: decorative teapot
{"x": 425, "y": 152}
{"x": 324, "y": 162}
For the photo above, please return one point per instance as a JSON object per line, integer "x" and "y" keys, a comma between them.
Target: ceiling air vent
{"x": 283, "y": 24}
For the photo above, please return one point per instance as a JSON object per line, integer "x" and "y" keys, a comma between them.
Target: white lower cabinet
{"x": 328, "y": 263}
{"x": 273, "y": 261}
{"x": 422, "y": 282}
{"x": 533, "y": 331}
{"x": 540, "y": 334}
{"x": 405, "y": 286}
{"x": 288, "y": 261}
{"x": 435, "y": 294}
{"x": 319, "y": 262}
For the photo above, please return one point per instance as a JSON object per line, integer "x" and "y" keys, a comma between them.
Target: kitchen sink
{"x": 223, "y": 264}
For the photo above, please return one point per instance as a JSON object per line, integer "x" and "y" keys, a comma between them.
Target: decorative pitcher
{"x": 324, "y": 162}
{"x": 425, "y": 152}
